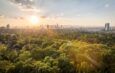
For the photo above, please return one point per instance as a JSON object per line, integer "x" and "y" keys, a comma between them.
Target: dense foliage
{"x": 57, "y": 52}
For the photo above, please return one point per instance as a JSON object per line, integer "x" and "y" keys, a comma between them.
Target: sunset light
{"x": 57, "y": 36}
{"x": 34, "y": 20}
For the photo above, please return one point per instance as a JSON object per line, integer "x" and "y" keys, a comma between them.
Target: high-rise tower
{"x": 107, "y": 26}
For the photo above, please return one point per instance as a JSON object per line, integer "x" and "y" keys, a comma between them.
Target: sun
{"x": 34, "y": 19}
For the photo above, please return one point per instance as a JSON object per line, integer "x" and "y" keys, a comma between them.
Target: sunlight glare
{"x": 34, "y": 19}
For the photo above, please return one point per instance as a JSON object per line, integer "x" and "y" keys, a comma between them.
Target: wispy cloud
{"x": 25, "y": 5}
{"x": 11, "y": 17}
{"x": 2, "y": 16}
{"x": 107, "y": 5}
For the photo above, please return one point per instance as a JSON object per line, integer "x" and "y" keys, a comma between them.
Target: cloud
{"x": 11, "y": 17}
{"x": 32, "y": 9}
{"x": 25, "y": 5}
{"x": 29, "y": 7}
{"x": 2, "y": 16}
{"x": 107, "y": 5}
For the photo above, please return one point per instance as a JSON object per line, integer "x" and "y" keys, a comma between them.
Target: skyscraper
{"x": 8, "y": 26}
{"x": 107, "y": 26}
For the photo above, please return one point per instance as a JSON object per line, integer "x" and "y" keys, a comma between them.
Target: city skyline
{"x": 91, "y": 13}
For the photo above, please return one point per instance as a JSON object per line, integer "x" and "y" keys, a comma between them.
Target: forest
{"x": 57, "y": 51}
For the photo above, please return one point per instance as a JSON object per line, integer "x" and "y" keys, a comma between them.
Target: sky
{"x": 83, "y": 13}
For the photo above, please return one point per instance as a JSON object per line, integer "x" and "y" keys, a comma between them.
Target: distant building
{"x": 47, "y": 26}
{"x": 55, "y": 26}
{"x": 8, "y": 26}
{"x": 107, "y": 26}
